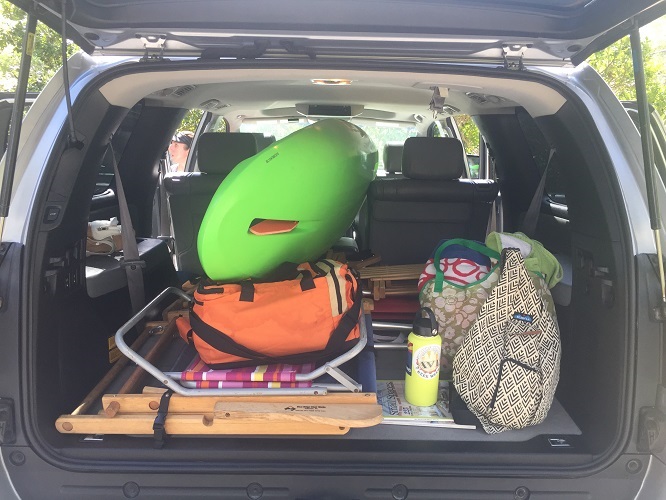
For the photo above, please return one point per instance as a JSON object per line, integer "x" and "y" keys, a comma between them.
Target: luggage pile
{"x": 496, "y": 319}
{"x": 266, "y": 336}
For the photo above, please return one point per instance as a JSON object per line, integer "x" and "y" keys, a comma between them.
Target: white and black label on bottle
{"x": 559, "y": 442}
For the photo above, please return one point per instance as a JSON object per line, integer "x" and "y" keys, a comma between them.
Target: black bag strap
{"x": 347, "y": 323}
{"x": 528, "y": 227}
{"x": 222, "y": 342}
{"x": 307, "y": 281}
{"x": 247, "y": 291}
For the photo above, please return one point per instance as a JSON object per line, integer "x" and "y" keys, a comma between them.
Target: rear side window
{"x": 471, "y": 139}
{"x": 119, "y": 141}
{"x": 540, "y": 149}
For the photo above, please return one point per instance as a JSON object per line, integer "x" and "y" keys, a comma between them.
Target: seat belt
{"x": 131, "y": 262}
{"x": 496, "y": 206}
{"x": 528, "y": 227}
{"x": 165, "y": 225}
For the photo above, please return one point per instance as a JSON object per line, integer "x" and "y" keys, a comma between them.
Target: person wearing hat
{"x": 179, "y": 150}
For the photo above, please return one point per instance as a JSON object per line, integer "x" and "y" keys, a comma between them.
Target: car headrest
{"x": 393, "y": 157}
{"x": 433, "y": 158}
{"x": 219, "y": 152}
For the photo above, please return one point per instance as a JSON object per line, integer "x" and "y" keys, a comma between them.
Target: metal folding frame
{"x": 170, "y": 379}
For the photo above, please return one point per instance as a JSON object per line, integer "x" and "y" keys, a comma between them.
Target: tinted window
{"x": 555, "y": 187}
{"x": 118, "y": 142}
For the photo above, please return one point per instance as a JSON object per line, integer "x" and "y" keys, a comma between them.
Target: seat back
{"x": 393, "y": 158}
{"x": 409, "y": 215}
{"x": 190, "y": 193}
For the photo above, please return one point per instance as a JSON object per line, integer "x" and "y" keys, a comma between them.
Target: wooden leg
{"x": 101, "y": 386}
{"x": 137, "y": 375}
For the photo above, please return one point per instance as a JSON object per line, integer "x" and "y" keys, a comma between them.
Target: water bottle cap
{"x": 425, "y": 327}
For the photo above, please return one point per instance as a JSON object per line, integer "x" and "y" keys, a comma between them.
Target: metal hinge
{"x": 513, "y": 56}
{"x": 652, "y": 425}
{"x": 153, "y": 45}
{"x": 651, "y": 430}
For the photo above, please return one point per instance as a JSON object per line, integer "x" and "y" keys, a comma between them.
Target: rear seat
{"x": 190, "y": 193}
{"x": 409, "y": 215}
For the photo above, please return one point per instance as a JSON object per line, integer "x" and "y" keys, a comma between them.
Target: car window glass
{"x": 119, "y": 141}
{"x": 615, "y": 66}
{"x": 441, "y": 128}
{"x": 471, "y": 139}
{"x": 217, "y": 124}
{"x": 555, "y": 187}
{"x": 381, "y": 133}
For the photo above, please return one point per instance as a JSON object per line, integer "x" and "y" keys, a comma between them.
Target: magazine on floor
{"x": 397, "y": 411}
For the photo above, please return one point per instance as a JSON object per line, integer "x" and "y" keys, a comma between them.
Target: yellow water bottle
{"x": 424, "y": 347}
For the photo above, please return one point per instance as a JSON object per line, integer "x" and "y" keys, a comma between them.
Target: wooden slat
{"x": 146, "y": 403}
{"x": 358, "y": 265}
{"x": 401, "y": 289}
{"x": 202, "y": 424}
{"x": 177, "y": 313}
{"x": 176, "y": 305}
{"x": 407, "y": 271}
{"x": 344, "y": 415}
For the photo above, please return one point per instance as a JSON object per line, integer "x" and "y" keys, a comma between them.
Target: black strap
{"x": 164, "y": 221}
{"x": 316, "y": 269}
{"x": 307, "y": 281}
{"x": 347, "y": 323}
{"x": 222, "y": 342}
{"x": 336, "y": 284}
{"x": 159, "y": 433}
{"x": 530, "y": 221}
{"x": 247, "y": 291}
{"x": 131, "y": 261}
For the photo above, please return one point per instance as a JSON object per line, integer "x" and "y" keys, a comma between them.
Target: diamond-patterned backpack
{"x": 508, "y": 364}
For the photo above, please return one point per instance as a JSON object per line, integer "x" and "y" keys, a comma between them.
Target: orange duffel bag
{"x": 305, "y": 313}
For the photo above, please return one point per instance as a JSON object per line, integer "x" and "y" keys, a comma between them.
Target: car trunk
{"x": 68, "y": 346}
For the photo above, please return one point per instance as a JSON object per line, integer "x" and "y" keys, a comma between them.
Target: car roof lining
{"x": 257, "y": 92}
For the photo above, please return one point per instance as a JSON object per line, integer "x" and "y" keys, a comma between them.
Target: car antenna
{"x": 17, "y": 116}
{"x": 72, "y": 139}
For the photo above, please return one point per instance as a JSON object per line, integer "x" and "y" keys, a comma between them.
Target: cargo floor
{"x": 557, "y": 431}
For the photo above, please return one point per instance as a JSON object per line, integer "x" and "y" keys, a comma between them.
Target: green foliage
{"x": 614, "y": 64}
{"x": 46, "y": 58}
{"x": 470, "y": 134}
{"x": 191, "y": 120}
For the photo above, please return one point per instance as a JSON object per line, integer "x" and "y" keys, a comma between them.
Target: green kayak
{"x": 289, "y": 203}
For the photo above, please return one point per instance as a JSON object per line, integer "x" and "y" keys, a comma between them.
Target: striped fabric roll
{"x": 223, "y": 384}
{"x": 280, "y": 375}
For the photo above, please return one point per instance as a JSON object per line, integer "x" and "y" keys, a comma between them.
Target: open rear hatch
{"x": 551, "y": 31}
{"x": 554, "y": 32}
